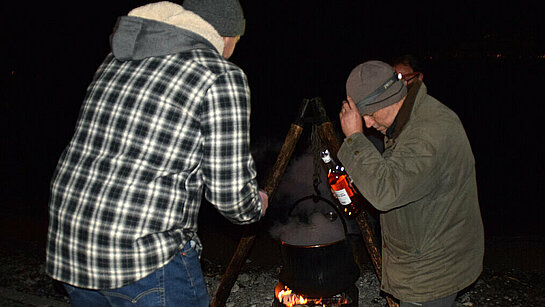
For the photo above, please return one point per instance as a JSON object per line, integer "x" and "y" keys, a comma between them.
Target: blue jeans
{"x": 179, "y": 283}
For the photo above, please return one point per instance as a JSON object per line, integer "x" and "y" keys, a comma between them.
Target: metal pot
{"x": 319, "y": 270}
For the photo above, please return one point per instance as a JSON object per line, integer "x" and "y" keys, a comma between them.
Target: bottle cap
{"x": 325, "y": 156}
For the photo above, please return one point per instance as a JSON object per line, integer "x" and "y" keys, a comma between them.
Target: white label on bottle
{"x": 343, "y": 197}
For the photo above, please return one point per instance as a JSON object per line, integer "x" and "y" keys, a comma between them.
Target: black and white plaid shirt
{"x": 151, "y": 135}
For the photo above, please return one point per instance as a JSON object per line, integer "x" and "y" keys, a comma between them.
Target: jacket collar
{"x": 405, "y": 111}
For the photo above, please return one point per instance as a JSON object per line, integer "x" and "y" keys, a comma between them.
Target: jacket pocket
{"x": 399, "y": 250}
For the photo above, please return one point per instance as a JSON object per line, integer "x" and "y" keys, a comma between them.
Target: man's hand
{"x": 351, "y": 121}
{"x": 264, "y": 200}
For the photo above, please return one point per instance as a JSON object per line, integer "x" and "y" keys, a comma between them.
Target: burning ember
{"x": 289, "y": 299}
{"x": 286, "y": 297}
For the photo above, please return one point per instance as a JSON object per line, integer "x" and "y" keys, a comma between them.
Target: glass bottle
{"x": 342, "y": 186}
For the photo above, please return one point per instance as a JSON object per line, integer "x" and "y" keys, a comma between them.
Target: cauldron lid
{"x": 313, "y": 222}
{"x": 306, "y": 206}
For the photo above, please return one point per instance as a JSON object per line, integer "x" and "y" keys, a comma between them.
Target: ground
{"x": 514, "y": 274}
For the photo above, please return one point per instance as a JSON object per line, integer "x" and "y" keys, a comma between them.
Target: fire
{"x": 287, "y": 298}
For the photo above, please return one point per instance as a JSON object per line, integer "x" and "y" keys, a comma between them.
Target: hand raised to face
{"x": 351, "y": 121}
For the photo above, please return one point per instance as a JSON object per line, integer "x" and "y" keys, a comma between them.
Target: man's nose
{"x": 368, "y": 121}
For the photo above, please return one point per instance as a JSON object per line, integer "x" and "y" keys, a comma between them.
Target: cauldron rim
{"x": 312, "y": 245}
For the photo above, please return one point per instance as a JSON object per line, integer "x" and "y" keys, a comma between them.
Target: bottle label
{"x": 343, "y": 197}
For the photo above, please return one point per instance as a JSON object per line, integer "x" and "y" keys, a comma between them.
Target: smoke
{"x": 315, "y": 229}
{"x": 293, "y": 215}
{"x": 297, "y": 181}
{"x": 297, "y": 215}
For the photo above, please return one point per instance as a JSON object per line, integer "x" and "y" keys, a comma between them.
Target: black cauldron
{"x": 320, "y": 270}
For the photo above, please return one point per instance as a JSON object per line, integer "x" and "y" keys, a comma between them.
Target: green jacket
{"x": 424, "y": 184}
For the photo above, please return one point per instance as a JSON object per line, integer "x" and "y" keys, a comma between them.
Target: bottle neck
{"x": 334, "y": 167}
{"x": 331, "y": 164}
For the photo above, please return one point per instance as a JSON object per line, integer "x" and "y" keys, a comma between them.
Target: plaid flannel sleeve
{"x": 228, "y": 168}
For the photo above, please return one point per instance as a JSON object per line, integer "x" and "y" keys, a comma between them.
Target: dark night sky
{"x": 294, "y": 50}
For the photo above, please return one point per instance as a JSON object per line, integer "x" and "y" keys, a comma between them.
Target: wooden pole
{"x": 284, "y": 157}
{"x": 327, "y": 136}
{"x": 370, "y": 242}
{"x": 248, "y": 237}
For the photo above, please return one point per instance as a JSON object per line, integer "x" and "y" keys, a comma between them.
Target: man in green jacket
{"x": 424, "y": 185}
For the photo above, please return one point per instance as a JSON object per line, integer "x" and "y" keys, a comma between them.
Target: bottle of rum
{"x": 342, "y": 187}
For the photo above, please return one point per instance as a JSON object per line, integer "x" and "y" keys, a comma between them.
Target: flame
{"x": 287, "y": 298}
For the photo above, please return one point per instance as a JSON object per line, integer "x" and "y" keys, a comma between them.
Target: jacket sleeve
{"x": 407, "y": 173}
{"x": 229, "y": 171}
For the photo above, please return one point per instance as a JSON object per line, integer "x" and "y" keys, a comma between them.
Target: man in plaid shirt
{"x": 165, "y": 117}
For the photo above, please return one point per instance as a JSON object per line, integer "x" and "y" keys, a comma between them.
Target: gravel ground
{"x": 24, "y": 283}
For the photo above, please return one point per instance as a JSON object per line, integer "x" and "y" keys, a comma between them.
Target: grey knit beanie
{"x": 225, "y": 16}
{"x": 374, "y": 85}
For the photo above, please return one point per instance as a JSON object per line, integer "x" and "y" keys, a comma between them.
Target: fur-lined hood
{"x": 160, "y": 29}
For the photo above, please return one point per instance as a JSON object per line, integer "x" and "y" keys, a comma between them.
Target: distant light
{"x": 13, "y": 72}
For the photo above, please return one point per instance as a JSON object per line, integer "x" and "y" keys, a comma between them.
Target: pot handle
{"x": 315, "y": 198}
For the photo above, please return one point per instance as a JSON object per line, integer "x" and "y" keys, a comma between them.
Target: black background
{"x": 485, "y": 61}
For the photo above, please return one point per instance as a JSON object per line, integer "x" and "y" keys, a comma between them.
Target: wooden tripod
{"x": 311, "y": 111}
